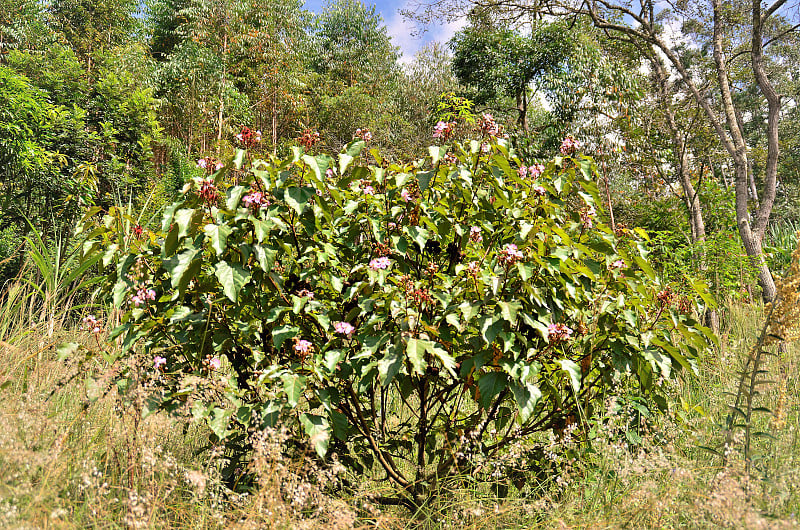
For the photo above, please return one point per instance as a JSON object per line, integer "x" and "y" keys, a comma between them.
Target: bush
{"x": 419, "y": 320}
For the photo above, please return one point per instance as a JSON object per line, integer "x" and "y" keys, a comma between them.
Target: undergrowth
{"x": 69, "y": 462}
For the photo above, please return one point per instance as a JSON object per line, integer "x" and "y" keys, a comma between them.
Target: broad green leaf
{"x": 574, "y": 370}
{"x": 318, "y": 431}
{"x": 527, "y": 397}
{"x": 508, "y": 310}
{"x": 294, "y": 386}
{"x": 186, "y": 219}
{"x": 177, "y": 265}
{"x": 219, "y": 237}
{"x": 232, "y": 278}
{"x": 415, "y": 350}
{"x": 490, "y": 384}
{"x": 297, "y": 197}
{"x": 390, "y": 366}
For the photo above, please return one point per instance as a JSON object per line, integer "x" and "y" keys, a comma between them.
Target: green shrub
{"x": 416, "y": 319}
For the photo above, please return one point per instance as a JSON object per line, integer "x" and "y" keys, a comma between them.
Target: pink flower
{"x": 369, "y": 190}
{"x": 379, "y": 263}
{"x": 345, "y": 328}
{"x": 305, "y": 293}
{"x": 202, "y": 163}
{"x": 215, "y": 363}
{"x": 303, "y": 346}
{"x": 255, "y": 200}
{"x": 569, "y": 146}
{"x": 536, "y": 170}
{"x": 405, "y": 195}
{"x": 523, "y": 171}
{"x": 618, "y": 264}
{"x": 92, "y": 324}
{"x": 540, "y": 191}
{"x": 219, "y": 166}
{"x": 329, "y": 173}
{"x": 558, "y": 332}
{"x": 510, "y": 255}
{"x": 158, "y": 362}
{"x": 443, "y": 130}
{"x": 475, "y": 234}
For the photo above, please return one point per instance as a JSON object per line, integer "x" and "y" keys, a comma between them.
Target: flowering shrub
{"x": 459, "y": 308}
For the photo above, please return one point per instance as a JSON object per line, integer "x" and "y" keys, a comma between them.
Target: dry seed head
{"x": 785, "y": 310}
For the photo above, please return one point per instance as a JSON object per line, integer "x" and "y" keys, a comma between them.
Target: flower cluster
{"x": 539, "y": 190}
{"x": 363, "y": 134}
{"x": 248, "y": 137}
{"x": 345, "y": 328}
{"x": 305, "y": 293}
{"x": 473, "y": 269}
{"x": 444, "y": 130}
{"x": 92, "y": 324}
{"x": 510, "y": 255}
{"x": 534, "y": 171}
{"x": 420, "y": 296}
{"x": 159, "y": 362}
{"x": 309, "y": 139}
{"x": 213, "y": 363}
{"x": 569, "y": 146}
{"x": 475, "y": 234}
{"x": 619, "y": 264}
{"x": 382, "y": 249}
{"x": 142, "y": 296}
{"x": 587, "y": 215}
{"x": 666, "y": 296}
{"x": 210, "y": 164}
{"x": 303, "y": 347}
{"x": 558, "y": 332}
{"x": 208, "y": 191}
{"x": 488, "y": 126}
{"x": 380, "y": 263}
{"x": 137, "y": 231}
{"x": 255, "y": 200}
{"x": 405, "y": 195}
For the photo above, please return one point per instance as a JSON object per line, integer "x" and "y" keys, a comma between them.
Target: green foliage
{"x": 484, "y": 307}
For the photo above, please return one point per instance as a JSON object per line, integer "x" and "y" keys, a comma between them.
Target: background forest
{"x": 229, "y": 227}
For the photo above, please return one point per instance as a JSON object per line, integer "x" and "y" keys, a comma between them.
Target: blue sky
{"x": 402, "y": 31}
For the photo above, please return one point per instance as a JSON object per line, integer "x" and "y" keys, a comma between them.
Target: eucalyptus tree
{"x": 357, "y": 74}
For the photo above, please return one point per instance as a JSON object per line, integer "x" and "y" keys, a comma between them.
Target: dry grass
{"x": 66, "y": 462}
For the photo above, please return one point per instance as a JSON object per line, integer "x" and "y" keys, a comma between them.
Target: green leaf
{"x": 469, "y": 310}
{"x": 219, "y": 237}
{"x": 294, "y": 386}
{"x": 266, "y": 257}
{"x": 490, "y": 384}
{"x": 297, "y": 197}
{"x": 415, "y": 350}
{"x": 186, "y": 220}
{"x": 280, "y": 334}
{"x": 527, "y": 398}
{"x": 390, "y": 366}
{"x": 177, "y": 265}
{"x": 419, "y": 235}
{"x": 490, "y": 326}
{"x": 234, "y": 196}
{"x": 219, "y": 422}
{"x": 232, "y": 278}
{"x": 574, "y": 370}
{"x": 318, "y": 431}
{"x": 508, "y": 310}
{"x": 447, "y": 361}
{"x": 424, "y": 179}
